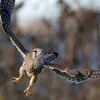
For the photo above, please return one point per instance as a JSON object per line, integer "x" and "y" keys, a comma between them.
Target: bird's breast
{"x": 34, "y": 67}
{"x": 36, "y": 70}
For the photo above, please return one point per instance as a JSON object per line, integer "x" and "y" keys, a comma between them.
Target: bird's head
{"x": 37, "y": 53}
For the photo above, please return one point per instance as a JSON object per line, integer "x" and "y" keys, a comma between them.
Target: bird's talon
{"x": 16, "y": 80}
{"x": 27, "y": 92}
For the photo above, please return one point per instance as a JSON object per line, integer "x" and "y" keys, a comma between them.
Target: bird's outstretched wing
{"x": 50, "y": 56}
{"x": 6, "y": 13}
{"x": 73, "y": 75}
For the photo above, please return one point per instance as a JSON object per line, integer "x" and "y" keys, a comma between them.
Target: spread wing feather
{"x": 50, "y": 56}
{"x": 73, "y": 75}
{"x": 6, "y": 13}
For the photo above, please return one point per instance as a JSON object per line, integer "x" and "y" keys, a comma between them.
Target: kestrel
{"x": 35, "y": 61}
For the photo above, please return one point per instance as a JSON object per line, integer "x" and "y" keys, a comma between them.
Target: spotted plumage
{"x": 35, "y": 61}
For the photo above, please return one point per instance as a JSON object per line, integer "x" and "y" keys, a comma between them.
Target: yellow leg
{"x": 27, "y": 91}
{"x": 21, "y": 72}
{"x": 33, "y": 80}
{"x": 16, "y": 79}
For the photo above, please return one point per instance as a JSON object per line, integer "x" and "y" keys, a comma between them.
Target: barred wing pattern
{"x": 50, "y": 56}
{"x": 6, "y": 13}
{"x": 73, "y": 75}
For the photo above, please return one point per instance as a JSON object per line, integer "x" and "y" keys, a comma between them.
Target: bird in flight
{"x": 35, "y": 61}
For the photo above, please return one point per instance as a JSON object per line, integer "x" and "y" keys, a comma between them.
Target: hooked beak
{"x": 40, "y": 52}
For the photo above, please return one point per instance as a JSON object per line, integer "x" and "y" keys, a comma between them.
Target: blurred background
{"x": 69, "y": 27}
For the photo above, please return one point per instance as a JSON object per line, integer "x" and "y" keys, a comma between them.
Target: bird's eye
{"x": 35, "y": 51}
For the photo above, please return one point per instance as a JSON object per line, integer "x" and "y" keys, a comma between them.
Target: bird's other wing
{"x": 73, "y": 75}
{"x": 50, "y": 56}
{"x": 6, "y": 13}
